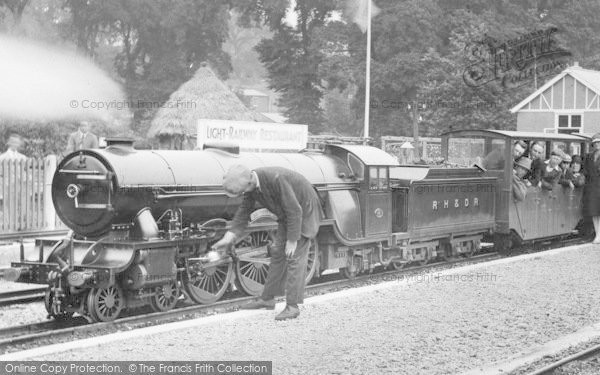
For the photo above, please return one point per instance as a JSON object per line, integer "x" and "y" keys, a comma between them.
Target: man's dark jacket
{"x": 288, "y": 195}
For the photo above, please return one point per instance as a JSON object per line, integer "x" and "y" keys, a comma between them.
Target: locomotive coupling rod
{"x": 205, "y": 263}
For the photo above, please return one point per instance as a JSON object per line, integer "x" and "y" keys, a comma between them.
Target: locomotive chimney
{"x": 122, "y": 143}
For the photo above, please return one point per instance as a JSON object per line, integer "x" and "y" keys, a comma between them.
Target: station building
{"x": 568, "y": 103}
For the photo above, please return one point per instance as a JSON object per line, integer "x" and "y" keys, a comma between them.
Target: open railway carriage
{"x": 143, "y": 222}
{"x": 543, "y": 214}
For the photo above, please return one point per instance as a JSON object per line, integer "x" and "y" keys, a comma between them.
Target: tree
{"x": 161, "y": 43}
{"x": 290, "y": 56}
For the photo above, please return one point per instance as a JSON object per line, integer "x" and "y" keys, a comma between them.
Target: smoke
{"x": 357, "y": 11}
{"x": 40, "y": 83}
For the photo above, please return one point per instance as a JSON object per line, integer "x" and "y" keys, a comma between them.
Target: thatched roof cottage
{"x": 202, "y": 97}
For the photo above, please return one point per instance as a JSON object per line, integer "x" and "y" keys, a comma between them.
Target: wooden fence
{"x": 25, "y": 195}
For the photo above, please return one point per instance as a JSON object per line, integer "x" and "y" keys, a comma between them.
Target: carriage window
{"x": 383, "y": 178}
{"x": 373, "y": 178}
{"x": 356, "y": 166}
{"x": 465, "y": 151}
{"x": 575, "y": 149}
{"x": 378, "y": 178}
{"x": 494, "y": 159}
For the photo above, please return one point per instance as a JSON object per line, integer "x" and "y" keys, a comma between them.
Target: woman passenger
{"x": 572, "y": 176}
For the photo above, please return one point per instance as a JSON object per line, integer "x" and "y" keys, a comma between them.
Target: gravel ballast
{"x": 434, "y": 325}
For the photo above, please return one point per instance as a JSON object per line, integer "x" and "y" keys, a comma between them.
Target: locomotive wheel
{"x": 313, "y": 260}
{"x": 209, "y": 284}
{"x": 105, "y": 304}
{"x": 398, "y": 265}
{"x": 57, "y": 315}
{"x": 166, "y": 297}
{"x": 251, "y": 271}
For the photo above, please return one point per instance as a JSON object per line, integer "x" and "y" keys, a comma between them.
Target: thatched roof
{"x": 202, "y": 97}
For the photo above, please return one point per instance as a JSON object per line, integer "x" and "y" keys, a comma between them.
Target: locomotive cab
{"x": 370, "y": 169}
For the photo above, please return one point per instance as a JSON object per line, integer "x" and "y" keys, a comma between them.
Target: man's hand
{"x": 290, "y": 248}
{"x": 225, "y": 242}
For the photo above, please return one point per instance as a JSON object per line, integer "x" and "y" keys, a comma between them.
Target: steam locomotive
{"x": 143, "y": 222}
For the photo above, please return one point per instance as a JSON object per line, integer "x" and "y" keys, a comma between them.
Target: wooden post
{"x": 416, "y": 129}
{"x": 49, "y": 212}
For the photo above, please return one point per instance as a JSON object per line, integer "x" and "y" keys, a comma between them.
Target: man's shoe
{"x": 259, "y": 304}
{"x": 290, "y": 312}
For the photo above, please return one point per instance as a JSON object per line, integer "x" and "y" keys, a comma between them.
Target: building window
{"x": 563, "y": 121}
{"x": 568, "y": 124}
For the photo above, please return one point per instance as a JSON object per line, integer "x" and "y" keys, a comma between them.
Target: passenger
{"x": 565, "y": 163}
{"x": 536, "y": 154}
{"x": 571, "y": 176}
{"x": 578, "y": 177}
{"x": 591, "y": 189}
{"x": 520, "y": 169}
{"x": 519, "y": 149}
{"x": 551, "y": 172}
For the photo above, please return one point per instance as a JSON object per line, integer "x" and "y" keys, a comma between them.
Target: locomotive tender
{"x": 143, "y": 221}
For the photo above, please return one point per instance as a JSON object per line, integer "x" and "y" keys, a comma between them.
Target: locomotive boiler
{"x": 143, "y": 221}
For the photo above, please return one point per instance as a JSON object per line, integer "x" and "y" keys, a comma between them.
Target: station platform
{"x": 464, "y": 319}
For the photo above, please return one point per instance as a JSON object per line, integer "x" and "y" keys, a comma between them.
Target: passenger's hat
{"x": 524, "y": 162}
{"x": 558, "y": 153}
{"x": 596, "y": 138}
{"x": 576, "y": 159}
{"x": 566, "y": 158}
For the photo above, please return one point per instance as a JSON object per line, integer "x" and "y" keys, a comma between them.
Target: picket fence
{"x": 25, "y": 195}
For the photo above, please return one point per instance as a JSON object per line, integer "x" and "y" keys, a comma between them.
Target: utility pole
{"x": 368, "y": 73}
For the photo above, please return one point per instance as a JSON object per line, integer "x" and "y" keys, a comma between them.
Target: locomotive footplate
{"x": 49, "y": 273}
{"x": 32, "y": 272}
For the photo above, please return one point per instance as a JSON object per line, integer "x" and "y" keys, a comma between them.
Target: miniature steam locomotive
{"x": 143, "y": 222}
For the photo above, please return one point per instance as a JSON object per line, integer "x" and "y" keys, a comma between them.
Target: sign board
{"x": 250, "y": 135}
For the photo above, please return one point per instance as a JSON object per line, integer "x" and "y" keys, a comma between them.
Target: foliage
{"x": 290, "y": 56}
{"x": 43, "y": 139}
{"x": 313, "y": 54}
{"x": 151, "y": 47}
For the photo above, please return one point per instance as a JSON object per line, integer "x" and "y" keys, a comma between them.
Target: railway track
{"x": 549, "y": 369}
{"x": 22, "y": 296}
{"x": 25, "y": 336}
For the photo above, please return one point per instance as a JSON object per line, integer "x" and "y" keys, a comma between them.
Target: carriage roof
{"x": 518, "y": 135}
